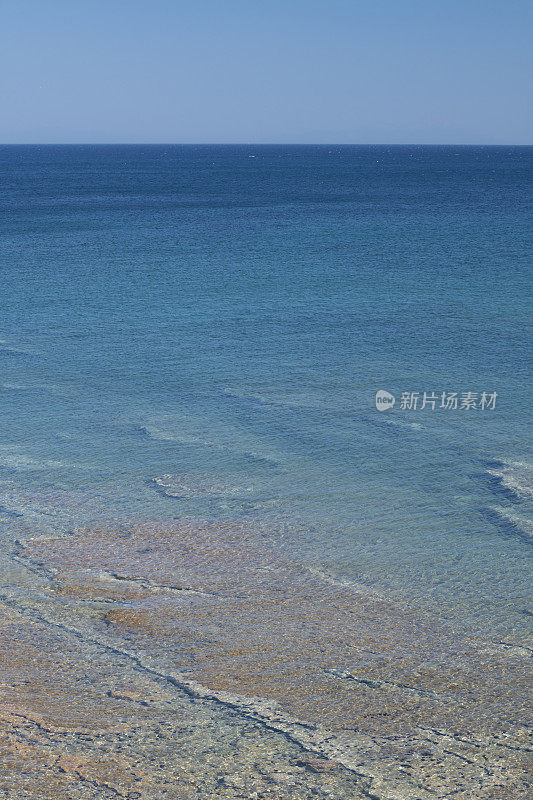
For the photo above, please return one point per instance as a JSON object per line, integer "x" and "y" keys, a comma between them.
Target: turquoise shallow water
{"x": 202, "y": 331}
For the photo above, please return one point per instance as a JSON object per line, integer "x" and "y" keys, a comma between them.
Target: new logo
{"x": 384, "y": 400}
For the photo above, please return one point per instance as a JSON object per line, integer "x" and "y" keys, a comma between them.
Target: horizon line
{"x": 264, "y": 144}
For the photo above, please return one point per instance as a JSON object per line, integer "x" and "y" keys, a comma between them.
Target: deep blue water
{"x": 226, "y": 315}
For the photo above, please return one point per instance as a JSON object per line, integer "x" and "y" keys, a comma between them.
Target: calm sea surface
{"x": 200, "y": 332}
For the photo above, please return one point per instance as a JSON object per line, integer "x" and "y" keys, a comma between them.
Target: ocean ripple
{"x": 186, "y": 487}
{"x": 514, "y": 476}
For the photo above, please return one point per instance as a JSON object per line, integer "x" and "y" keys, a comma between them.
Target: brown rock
{"x": 316, "y": 764}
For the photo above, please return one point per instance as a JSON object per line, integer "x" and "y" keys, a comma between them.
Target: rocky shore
{"x": 196, "y": 660}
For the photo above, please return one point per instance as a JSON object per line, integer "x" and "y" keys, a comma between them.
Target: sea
{"x": 199, "y": 332}
{"x": 266, "y": 476}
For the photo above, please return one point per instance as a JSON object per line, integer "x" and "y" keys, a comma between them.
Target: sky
{"x": 266, "y": 71}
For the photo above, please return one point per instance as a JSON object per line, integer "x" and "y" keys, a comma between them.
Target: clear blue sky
{"x": 362, "y": 71}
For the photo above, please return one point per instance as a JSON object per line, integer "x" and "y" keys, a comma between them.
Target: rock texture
{"x": 196, "y": 660}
